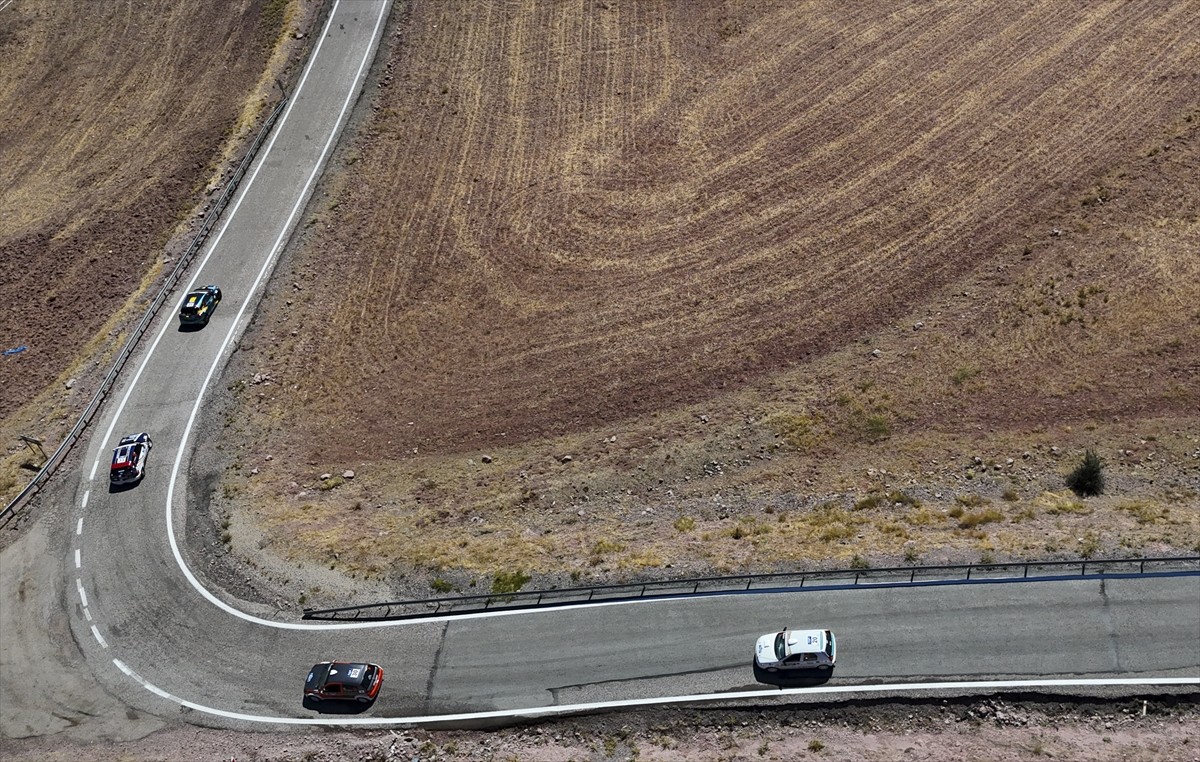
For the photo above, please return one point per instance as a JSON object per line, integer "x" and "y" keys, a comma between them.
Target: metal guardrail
{"x": 210, "y": 221}
{"x": 908, "y": 576}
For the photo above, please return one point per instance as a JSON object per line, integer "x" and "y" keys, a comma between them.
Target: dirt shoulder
{"x": 988, "y": 730}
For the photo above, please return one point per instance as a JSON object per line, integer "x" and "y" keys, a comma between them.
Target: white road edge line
{"x": 82, "y": 595}
{"x": 77, "y": 564}
{"x": 87, "y": 613}
{"x": 758, "y": 695}
{"x": 99, "y": 639}
{"x": 96, "y": 465}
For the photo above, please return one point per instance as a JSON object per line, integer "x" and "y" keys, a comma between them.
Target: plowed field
{"x": 734, "y": 258}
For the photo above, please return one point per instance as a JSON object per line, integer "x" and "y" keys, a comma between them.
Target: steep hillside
{"x": 622, "y": 289}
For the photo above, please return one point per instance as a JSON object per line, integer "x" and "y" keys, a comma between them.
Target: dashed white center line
{"x": 86, "y": 494}
{"x": 82, "y": 595}
{"x": 94, "y": 467}
{"x": 79, "y": 526}
{"x": 121, "y": 666}
{"x": 77, "y": 564}
{"x": 87, "y": 614}
{"x": 99, "y": 638}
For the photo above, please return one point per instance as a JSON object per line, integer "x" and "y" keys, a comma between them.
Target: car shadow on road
{"x": 115, "y": 488}
{"x": 792, "y": 678}
{"x": 337, "y": 707}
{"x": 191, "y": 327}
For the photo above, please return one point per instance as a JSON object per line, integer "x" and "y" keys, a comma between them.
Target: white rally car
{"x": 796, "y": 650}
{"x": 129, "y": 459}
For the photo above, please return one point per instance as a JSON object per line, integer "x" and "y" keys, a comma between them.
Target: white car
{"x": 796, "y": 650}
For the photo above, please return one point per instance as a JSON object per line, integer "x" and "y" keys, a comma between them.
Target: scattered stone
{"x": 254, "y": 472}
{"x": 325, "y": 477}
{"x": 565, "y": 459}
{"x": 70, "y": 383}
{"x": 876, "y": 353}
{"x": 486, "y": 459}
{"x": 347, "y": 474}
{"x": 918, "y": 325}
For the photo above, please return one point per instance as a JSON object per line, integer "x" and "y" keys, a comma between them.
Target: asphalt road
{"x": 159, "y": 643}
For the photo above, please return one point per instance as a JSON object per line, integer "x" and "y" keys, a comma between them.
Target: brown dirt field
{"x": 120, "y": 121}
{"x": 747, "y": 265}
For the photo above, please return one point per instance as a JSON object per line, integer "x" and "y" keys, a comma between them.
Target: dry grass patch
{"x": 1061, "y": 503}
{"x": 976, "y": 518}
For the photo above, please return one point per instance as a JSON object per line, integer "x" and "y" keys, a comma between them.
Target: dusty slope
{"x": 746, "y": 265}
{"x": 118, "y": 116}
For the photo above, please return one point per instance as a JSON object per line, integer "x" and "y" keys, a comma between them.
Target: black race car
{"x": 343, "y": 681}
{"x": 198, "y": 306}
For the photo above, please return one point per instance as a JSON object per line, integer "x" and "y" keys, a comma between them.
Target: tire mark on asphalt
{"x": 1106, "y": 616}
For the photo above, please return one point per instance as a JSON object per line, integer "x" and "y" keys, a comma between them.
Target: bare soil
{"x": 635, "y": 290}
{"x": 987, "y": 730}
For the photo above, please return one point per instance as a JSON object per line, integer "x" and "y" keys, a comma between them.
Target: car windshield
{"x": 780, "y": 646}
{"x": 829, "y": 644}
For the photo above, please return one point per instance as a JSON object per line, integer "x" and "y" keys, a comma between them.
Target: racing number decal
{"x": 354, "y": 673}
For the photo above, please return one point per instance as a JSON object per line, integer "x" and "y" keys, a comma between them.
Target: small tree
{"x": 1088, "y": 478}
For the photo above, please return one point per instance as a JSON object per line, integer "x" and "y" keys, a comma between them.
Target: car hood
{"x": 764, "y": 649}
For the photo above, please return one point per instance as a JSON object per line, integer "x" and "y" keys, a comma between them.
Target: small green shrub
{"x": 332, "y": 483}
{"x": 858, "y": 562}
{"x": 1088, "y": 478}
{"x": 685, "y": 524}
{"x": 440, "y": 585}
{"x": 815, "y": 745}
{"x": 509, "y": 582}
{"x": 972, "y": 500}
{"x": 964, "y": 374}
{"x": 876, "y": 428}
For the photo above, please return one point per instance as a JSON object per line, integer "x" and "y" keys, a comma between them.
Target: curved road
{"x": 159, "y": 642}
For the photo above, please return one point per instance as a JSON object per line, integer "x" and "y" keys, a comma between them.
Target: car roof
{"x": 122, "y": 456}
{"x": 805, "y": 641}
{"x": 339, "y": 672}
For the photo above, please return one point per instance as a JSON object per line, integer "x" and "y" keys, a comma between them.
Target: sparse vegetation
{"x": 1088, "y": 477}
{"x": 976, "y": 518}
{"x": 504, "y": 583}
